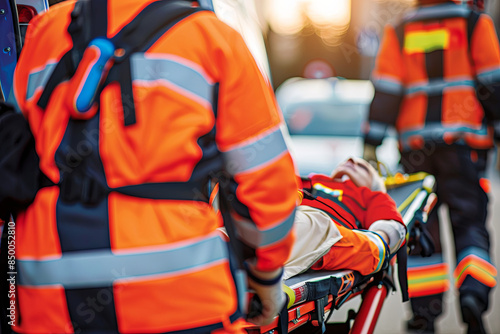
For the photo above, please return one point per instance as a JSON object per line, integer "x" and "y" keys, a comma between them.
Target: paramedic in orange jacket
{"x": 345, "y": 221}
{"x": 437, "y": 81}
{"x": 126, "y": 240}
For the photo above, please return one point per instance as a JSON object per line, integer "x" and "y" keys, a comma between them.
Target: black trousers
{"x": 458, "y": 171}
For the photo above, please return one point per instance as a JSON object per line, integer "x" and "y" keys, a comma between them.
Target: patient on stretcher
{"x": 345, "y": 221}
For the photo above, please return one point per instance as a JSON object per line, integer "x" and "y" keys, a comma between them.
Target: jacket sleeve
{"x": 261, "y": 175}
{"x": 383, "y": 215}
{"x": 485, "y": 54}
{"x": 387, "y": 79}
{"x": 379, "y": 206}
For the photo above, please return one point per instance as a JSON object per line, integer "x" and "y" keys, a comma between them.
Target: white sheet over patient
{"x": 315, "y": 234}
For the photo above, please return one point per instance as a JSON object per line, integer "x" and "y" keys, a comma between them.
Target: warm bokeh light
{"x": 329, "y": 13}
{"x": 285, "y": 16}
{"x": 288, "y": 17}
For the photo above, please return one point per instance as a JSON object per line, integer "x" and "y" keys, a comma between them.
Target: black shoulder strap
{"x": 138, "y": 35}
{"x": 400, "y": 34}
{"x": 151, "y": 24}
{"x": 471, "y": 25}
{"x": 82, "y": 30}
{"x": 402, "y": 258}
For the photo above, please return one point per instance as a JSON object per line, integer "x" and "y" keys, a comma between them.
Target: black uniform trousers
{"x": 458, "y": 170}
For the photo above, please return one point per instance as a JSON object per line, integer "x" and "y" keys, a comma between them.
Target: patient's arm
{"x": 360, "y": 250}
{"x": 392, "y": 231}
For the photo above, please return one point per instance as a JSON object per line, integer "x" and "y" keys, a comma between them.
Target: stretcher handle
{"x": 254, "y": 307}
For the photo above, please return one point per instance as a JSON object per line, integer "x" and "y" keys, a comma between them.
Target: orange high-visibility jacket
{"x": 149, "y": 263}
{"x": 437, "y": 79}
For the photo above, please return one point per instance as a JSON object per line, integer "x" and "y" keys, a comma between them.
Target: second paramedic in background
{"x": 437, "y": 81}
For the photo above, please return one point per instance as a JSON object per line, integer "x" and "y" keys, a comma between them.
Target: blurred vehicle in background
{"x": 325, "y": 119}
{"x": 14, "y": 19}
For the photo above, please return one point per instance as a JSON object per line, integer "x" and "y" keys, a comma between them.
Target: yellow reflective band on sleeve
{"x": 427, "y": 41}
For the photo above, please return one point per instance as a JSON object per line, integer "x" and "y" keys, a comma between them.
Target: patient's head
{"x": 361, "y": 173}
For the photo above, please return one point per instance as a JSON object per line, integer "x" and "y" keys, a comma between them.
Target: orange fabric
{"x": 460, "y": 106}
{"x": 233, "y": 328}
{"x": 485, "y": 185}
{"x": 48, "y": 313}
{"x": 481, "y": 270}
{"x": 456, "y": 62}
{"x": 162, "y": 146}
{"x": 485, "y": 38}
{"x": 428, "y": 271}
{"x": 351, "y": 252}
{"x": 412, "y": 112}
{"x": 412, "y": 62}
{"x": 428, "y": 280}
{"x": 162, "y": 219}
{"x": 480, "y": 141}
{"x": 272, "y": 206}
{"x": 35, "y": 238}
{"x": 391, "y": 66}
{"x": 47, "y": 128}
{"x": 473, "y": 156}
{"x": 152, "y": 138}
{"x": 175, "y": 295}
{"x": 422, "y": 291}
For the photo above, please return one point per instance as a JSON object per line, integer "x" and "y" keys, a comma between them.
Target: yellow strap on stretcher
{"x": 392, "y": 181}
{"x": 291, "y": 295}
{"x": 398, "y": 178}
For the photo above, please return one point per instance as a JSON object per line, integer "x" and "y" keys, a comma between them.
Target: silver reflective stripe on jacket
{"x": 257, "y": 238}
{"x": 387, "y": 85}
{"x": 256, "y": 153}
{"x": 175, "y": 73}
{"x": 38, "y": 78}
{"x": 436, "y": 12}
{"x": 437, "y": 86}
{"x": 97, "y": 268}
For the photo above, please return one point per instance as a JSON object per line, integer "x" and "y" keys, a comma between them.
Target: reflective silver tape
{"x": 172, "y": 72}
{"x": 489, "y": 76}
{"x": 437, "y": 12}
{"x": 388, "y": 86}
{"x": 436, "y": 87}
{"x": 255, "y": 153}
{"x": 38, "y": 79}
{"x": 255, "y": 237}
{"x": 101, "y": 267}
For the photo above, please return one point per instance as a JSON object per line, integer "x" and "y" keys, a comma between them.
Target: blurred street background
{"x": 342, "y": 34}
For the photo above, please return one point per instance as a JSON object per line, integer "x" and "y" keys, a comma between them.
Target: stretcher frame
{"x": 313, "y": 296}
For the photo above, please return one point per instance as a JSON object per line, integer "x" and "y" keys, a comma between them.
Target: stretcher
{"x": 314, "y": 295}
